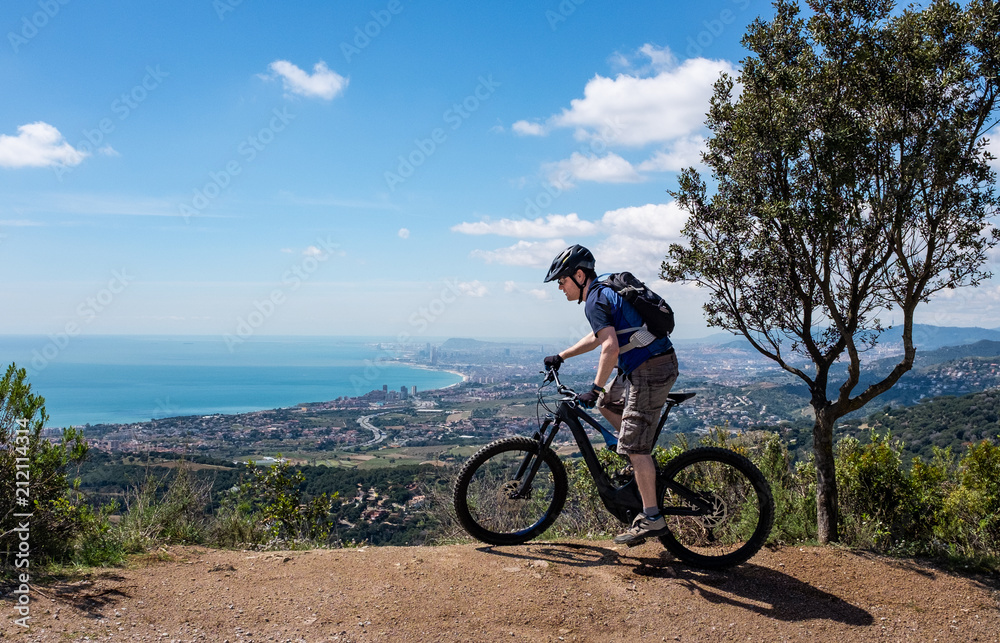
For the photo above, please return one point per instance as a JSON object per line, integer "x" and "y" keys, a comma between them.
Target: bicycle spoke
{"x": 722, "y": 510}
{"x": 497, "y": 503}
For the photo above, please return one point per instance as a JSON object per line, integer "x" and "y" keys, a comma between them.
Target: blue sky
{"x": 242, "y": 168}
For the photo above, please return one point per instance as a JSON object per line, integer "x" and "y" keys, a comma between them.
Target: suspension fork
{"x": 532, "y": 462}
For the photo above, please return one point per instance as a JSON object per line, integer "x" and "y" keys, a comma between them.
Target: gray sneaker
{"x": 641, "y": 529}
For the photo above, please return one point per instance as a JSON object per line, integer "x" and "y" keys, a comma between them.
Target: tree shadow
{"x": 757, "y": 589}
{"x": 83, "y": 595}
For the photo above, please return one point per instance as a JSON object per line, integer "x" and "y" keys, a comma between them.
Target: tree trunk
{"x": 826, "y": 479}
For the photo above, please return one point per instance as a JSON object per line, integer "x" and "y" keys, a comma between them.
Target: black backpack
{"x": 655, "y": 312}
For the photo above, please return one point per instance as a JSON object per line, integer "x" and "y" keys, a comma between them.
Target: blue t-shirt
{"x": 605, "y": 308}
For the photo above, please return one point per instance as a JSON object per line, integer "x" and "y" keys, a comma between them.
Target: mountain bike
{"x": 717, "y": 504}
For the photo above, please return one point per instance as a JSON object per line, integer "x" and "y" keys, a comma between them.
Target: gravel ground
{"x": 565, "y": 591}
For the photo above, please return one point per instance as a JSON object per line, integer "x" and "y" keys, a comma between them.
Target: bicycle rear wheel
{"x": 488, "y": 497}
{"x": 732, "y": 516}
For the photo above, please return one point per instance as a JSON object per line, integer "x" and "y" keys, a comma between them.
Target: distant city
{"x": 736, "y": 387}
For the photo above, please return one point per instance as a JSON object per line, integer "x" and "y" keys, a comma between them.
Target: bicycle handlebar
{"x": 552, "y": 375}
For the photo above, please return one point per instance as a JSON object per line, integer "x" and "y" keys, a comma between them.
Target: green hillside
{"x": 942, "y": 422}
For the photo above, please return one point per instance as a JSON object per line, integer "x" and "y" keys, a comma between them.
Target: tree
{"x": 851, "y": 181}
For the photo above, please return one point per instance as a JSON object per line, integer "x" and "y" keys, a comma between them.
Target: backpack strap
{"x": 639, "y": 339}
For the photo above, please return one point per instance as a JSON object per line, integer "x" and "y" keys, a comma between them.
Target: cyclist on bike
{"x": 646, "y": 373}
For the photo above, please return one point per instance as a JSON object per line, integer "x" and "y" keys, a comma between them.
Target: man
{"x": 647, "y": 369}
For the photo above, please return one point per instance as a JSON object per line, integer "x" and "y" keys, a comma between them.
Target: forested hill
{"x": 924, "y": 359}
{"x": 943, "y": 422}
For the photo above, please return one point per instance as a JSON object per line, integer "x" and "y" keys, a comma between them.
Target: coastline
{"x": 79, "y": 401}
{"x": 465, "y": 378}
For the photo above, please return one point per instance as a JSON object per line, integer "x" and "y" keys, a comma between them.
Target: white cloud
{"x": 638, "y": 238}
{"x": 685, "y": 152}
{"x": 473, "y": 288}
{"x": 656, "y": 220}
{"x": 538, "y": 293}
{"x": 322, "y": 83}
{"x": 661, "y": 58}
{"x": 532, "y": 254}
{"x": 640, "y": 256}
{"x": 633, "y": 238}
{"x": 37, "y": 145}
{"x": 312, "y": 251}
{"x": 636, "y": 109}
{"x": 404, "y": 233}
{"x": 23, "y": 223}
{"x": 107, "y": 150}
{"x": 643, "y": 110}
{"x": 649, "y": 58}
{"x": 609, "y": 168}
{"x": 525, "y": 128}
{"x": 994, "y": 149}
{"x": 552, "y": 226}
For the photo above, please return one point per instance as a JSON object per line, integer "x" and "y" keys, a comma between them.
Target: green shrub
{"x": 41, "y": 466}
{"x": 970, "y": 516}
{"x": 874, "y": 491}
{"x": 793, "y": 489}
{"x": 266, "y": 508}
{"x": 158, "y": 512}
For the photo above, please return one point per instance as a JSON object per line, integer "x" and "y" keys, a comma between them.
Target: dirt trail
{"x": 565, "y": 591}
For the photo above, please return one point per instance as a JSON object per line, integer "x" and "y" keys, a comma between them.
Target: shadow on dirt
{"x": 83, "y": 596}
{"x": 754, "y": 588}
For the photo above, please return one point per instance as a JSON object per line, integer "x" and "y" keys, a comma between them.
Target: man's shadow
{"x": 754, "y": 588}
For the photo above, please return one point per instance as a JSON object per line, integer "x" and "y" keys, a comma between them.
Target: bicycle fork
{"x": 528, "y": 468}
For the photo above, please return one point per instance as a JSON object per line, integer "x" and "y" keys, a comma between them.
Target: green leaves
{"x": 850, "y": 183}
{"x": 849, "y": 176}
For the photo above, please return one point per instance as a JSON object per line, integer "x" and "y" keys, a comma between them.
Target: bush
{"x": 266, "y": 508}
{"x": 970, "y": 514}
{"x": 794, "y": 492}
{"x": 159, "y": 513}
{"x": 34, "y": 478}
{"x": 875, "y": 493}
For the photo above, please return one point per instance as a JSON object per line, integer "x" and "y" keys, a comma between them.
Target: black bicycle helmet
{"x": 570, "y": 260}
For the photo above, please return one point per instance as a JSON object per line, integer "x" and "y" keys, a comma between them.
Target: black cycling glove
{"x": 553, "y": 362}
{"x": 589, "y": 399}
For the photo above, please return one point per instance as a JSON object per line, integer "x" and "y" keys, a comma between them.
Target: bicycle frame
{"x": 622, "y": 502}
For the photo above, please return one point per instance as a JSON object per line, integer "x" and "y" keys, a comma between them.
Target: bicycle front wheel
{"x": 494, "y": 503}
{"x": 728, "y": 505}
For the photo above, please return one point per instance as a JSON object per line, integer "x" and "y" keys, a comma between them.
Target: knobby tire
{"x": 742, "y": 508}
{"x": 483, "y": 492}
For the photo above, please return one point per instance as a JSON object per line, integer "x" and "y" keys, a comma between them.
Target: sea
{"x": 124, "y": 379}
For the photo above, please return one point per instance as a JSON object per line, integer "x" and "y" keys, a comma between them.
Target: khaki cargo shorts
{"x": 638, "y": 398}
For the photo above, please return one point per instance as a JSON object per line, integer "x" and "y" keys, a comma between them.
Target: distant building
{"x": 402, "y": 392}
{"x": 413, "y": 391}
